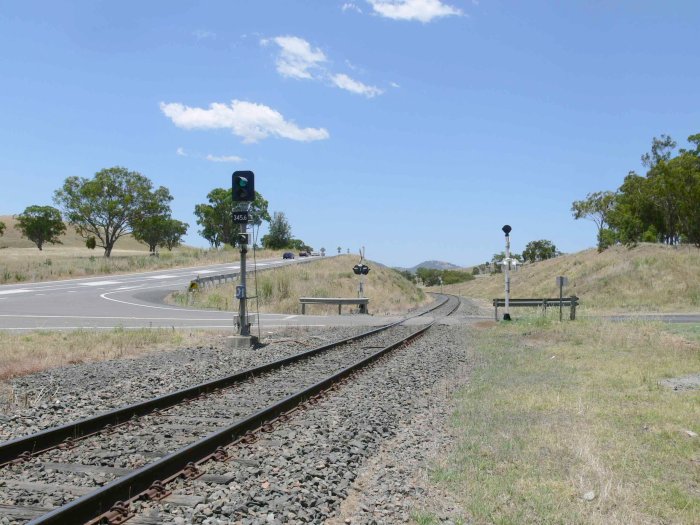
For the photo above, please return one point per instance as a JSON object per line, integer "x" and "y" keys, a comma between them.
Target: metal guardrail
{"x": 340, "y": 301}
{"x": 571, "y": 302}
{"x": 203, "y": 282}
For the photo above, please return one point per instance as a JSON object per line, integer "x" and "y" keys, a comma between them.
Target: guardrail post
{"x": 574, "y": 304}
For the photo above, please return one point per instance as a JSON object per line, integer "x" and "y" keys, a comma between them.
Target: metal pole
{"x": 506, "y": 314}
{"x": 243, "y": 326}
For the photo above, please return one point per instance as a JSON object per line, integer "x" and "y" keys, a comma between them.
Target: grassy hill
{"x": 279, "y": 289}
{"x": 13, "y": 239}
{"x": 649, "y": 277}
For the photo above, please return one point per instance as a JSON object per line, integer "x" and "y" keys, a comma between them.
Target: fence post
{"x": 574, "y": 302}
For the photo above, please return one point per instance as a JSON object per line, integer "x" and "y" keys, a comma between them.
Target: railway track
{"x": 100, "y": 468}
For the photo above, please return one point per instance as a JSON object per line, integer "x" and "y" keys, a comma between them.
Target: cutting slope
{"x": 279, "y": 290}
{"x": 649, "y": 277}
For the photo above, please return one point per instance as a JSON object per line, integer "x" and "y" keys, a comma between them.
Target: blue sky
{"x": 416, "y": 128}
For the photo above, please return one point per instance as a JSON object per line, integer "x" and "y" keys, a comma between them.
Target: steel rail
{"x": 129, "y": 487}
{"x": 27, "y": 446}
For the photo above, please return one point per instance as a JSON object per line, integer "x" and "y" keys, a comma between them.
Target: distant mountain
{"x": 435, "y": 265}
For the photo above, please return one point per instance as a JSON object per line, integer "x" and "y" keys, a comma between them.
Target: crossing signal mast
{"x": 243, "y": 193}
{"x": 506, "y": 266}
{"x": 361, "y": 270}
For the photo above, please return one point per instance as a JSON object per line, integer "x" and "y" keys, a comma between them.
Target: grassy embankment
{"x": 21, "y": 260}
{"x": 567, "y": 423}
{"x": 649, "y": 277}
{"x": 279, "y": 289}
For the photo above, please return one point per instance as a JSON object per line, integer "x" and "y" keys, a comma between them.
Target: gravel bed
{"x": 113, "y": 382}
{"x": 303, "y": 470}
{"x": 74, "y": 392}
{"x": 154, "y": 436}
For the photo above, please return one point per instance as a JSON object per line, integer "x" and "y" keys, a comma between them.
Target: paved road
{"x": 135, "y": 300}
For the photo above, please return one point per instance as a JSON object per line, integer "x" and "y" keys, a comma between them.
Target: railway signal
{"x": 243, "y": 185}
{"x": 242, "y": 190}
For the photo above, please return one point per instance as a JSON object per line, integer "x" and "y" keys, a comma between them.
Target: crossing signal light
{"x": 360, "y": 269}
{"x": 243, "y": 185}
{"x": 243, "y": 238}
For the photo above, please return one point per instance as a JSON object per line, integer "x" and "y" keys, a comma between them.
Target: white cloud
{"x": 181, "y": 152}
{"x": 252, "y": 122}
{"x": 394, "y": 85}
{"x": 296, "y": 57}
{"x": 355, "y": 86}
{"x": 350, "y": 6}
{"x": 421, "y": 10}
{"x": 224, "y": 158}
{"x": 200, "y": 34}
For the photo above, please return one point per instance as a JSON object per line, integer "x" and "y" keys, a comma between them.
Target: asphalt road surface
{"x": 136, "y": 300}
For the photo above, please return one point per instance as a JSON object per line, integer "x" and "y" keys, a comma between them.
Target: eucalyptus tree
{"x": 111, "y": 204}
{"x": 41, "y": 225}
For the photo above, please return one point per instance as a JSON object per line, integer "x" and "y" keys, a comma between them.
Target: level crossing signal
{"x": 243, "y": 238}
{"x": 243, "y": 185}
{"x": 360, "y": 269}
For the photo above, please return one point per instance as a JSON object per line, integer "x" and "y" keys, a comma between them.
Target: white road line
{"x": 104, "y": 296}
{"x": 162, "y": 277}
{"x": 21, "y": 290}
{"x": 290, "y": 317}
{"x": 100, "y": 283}
{"x": 165, "y": 327}
{"x": 129, "y": 318}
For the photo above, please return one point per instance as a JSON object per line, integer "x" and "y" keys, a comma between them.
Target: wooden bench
{"x": 340, "y": 301}
{"x": 571, "y": 302}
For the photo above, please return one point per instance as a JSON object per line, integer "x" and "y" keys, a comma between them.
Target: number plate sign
{"x": 240, "y": 217}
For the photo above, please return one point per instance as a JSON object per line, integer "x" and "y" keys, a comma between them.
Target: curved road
{"x": 136, "y": 301}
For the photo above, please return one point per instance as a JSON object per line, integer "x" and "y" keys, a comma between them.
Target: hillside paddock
{"x": 22, "y": 261}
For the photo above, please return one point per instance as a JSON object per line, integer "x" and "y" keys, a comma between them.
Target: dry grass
{"x": 22, "y": 354}
{"x": 279, "y": 289}
{"x": 650, "y": 277}
{"x": 566, "y": 423}
{"x": 25, "y": 264}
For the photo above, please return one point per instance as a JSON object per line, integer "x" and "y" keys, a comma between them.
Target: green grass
{"x": 554, "y": 411}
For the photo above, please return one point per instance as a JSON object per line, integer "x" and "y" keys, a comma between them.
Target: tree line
{"x": 661, "y": 206}
{"x": 117, "y": 202}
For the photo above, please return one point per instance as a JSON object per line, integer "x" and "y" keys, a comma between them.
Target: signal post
{"x": 243, "y": 192}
